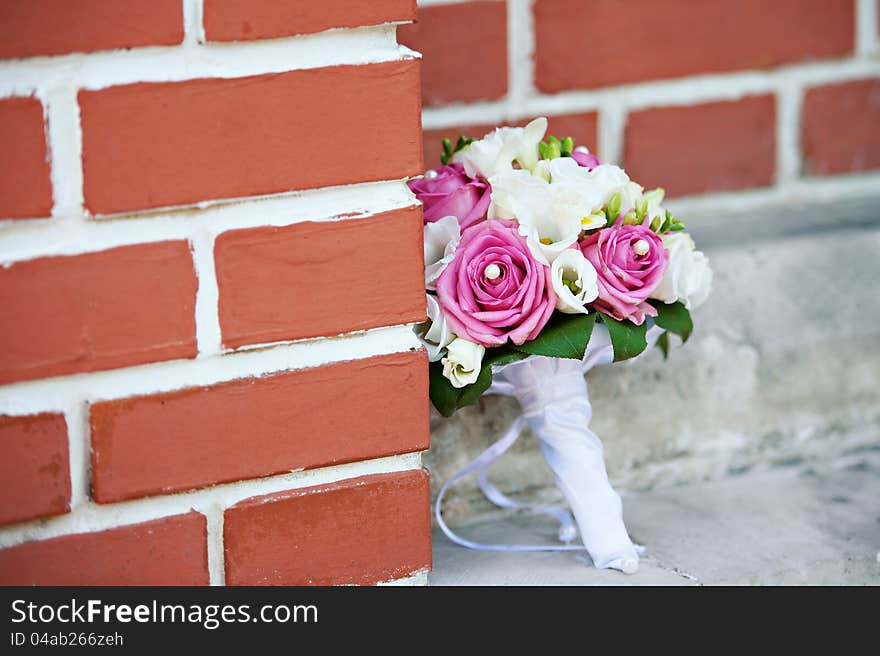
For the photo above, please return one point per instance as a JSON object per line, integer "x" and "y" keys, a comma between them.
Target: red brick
{"x": 581, "y": 127}
{"x": 167, "y": 551}
{"x": 608, "y": 42}
{"x": 225, "y": 138}
{"x": 371, "y": 272}
{"x": 841, "y": 128}
{"x": 358, "y": 531}
{"x": 464, "y": 48}
{"x": 56, "y": 27}
{"x": 25, "y": 187}
{"x": 709, "y": 147}
{"x": 34, "y": 467}
{"x": 259, "y": 426}
{"x": 245, "y": 20}
{"x": 119, "y": 307}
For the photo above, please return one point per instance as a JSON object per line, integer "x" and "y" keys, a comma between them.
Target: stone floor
{"x": 811, "y": 524}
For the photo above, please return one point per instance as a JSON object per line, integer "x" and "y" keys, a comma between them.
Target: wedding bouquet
{"x": 535, "y": 250}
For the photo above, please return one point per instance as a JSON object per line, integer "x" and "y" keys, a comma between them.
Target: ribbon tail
{"x": 481, "y": 464}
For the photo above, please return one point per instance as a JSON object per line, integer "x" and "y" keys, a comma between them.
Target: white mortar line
{"x": 612, "y": 126}
{"x": 789, "y": 100}
{"x": 60, "y": 393}
{"x": 92, "y": 517}
{"x": 79, "y": 452}
{"x": 363, "y": 45}
{"x": 208, "y": 336}
{"x": 22, "y": 240}
{"x": 805, "y": 191}
{"x": 520, "y": 46}
{"x": 867, "y": 40}
{"x": 216, "y": 557}
{"x": 655, "y": 93}
{"x": 193, "y": 27}
{"x": 64, "y": 140}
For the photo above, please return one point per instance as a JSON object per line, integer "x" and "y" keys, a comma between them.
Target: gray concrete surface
{"x": 816, "y": 524}
{"x": 784, "y": 366}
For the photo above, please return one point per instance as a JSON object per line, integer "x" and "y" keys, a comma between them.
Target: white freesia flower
{"x": 497, "y": 151}
{"x": 574, "y": 281}
{"x": 688, "y": 276}
{"x": 566, "y": 174}
{"x": 441, "y": 239}
{"x": 606, "y": 180}
{"x": 434, "y": 333}
{"x": 552, "y": 207}
{"x": 655, "y": 205}
{"x": 462, "y": 362}
{"x": 630, "y": 195}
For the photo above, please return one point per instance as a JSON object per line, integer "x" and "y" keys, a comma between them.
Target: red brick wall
{"x": 699, "y": 96}
{"x": 209, "y": 264}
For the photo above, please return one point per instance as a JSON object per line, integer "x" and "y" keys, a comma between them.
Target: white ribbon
{"x": 556, "y": 405}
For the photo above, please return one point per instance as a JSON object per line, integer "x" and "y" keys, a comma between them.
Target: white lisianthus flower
{"x": 552, "y": 228}
{"x": 434, "y": 333}
{"x": 574, "y": 281}
{"x": 515, "y": 189}
{"x": 688, "y": 276}
{"x": 462, "y": 362}
{"x": 496, "y": 152}
{"x": 441, "y": 239}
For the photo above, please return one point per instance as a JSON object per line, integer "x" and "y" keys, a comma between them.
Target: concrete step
{"x": 800, "y": 525}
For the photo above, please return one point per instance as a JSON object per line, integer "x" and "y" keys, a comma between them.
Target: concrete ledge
{"x": 815, "y": 525}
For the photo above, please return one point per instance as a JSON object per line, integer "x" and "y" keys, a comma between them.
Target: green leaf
{"x": 564, "y": 336}
{"x": 663, "y": 344}
{"x": 443, "y": 395}
{"x": 674, "y": 317}
{"x": 470, "y": 394}
{"x": 627, "y": 339}
{"x": 447, "y": 151}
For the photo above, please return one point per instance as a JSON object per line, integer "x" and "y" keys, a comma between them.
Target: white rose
{"x": 688, "y": 277}
{"x": 497, "y": 151}
{"x": 462, "y": 362}
{"x": 574, "y": 281}
{"x": 441, "y": 239}
{"x": 434, "y": 333}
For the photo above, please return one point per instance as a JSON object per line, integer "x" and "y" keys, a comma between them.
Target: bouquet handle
{"x": 556, "y": 405}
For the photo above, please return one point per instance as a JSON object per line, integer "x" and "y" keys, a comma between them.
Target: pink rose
{"x": 630, "y": 261}
{"x": 494, "y": 290}
{"x": 450, "y": 192}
